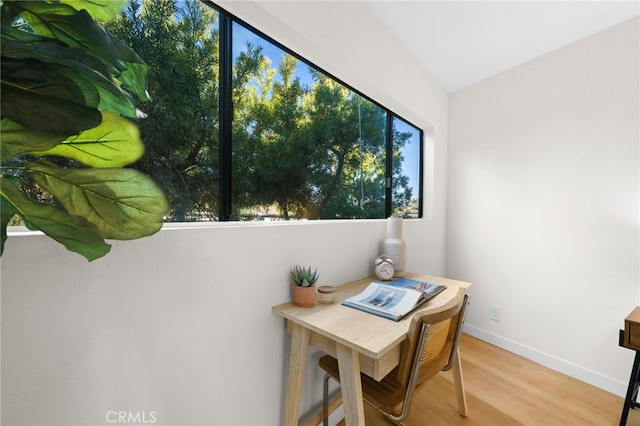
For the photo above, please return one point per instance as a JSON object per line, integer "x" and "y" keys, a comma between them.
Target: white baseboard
{"x": 606, "y": 383}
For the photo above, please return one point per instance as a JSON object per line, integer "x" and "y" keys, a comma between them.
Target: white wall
{"x": 543, "y": 202}
{"x": 180, "y": 323}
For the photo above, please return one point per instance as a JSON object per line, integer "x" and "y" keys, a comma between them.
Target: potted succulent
{"x": 304, "y": 281}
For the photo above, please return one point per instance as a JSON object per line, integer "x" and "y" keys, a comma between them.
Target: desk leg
{"x": 349, "y": 366}
{"x": 297, "y": 363}
{"x": 458, "y": 383}
{"x": 632, "y": 390}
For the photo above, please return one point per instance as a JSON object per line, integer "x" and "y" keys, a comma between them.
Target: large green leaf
{"x": 36, "y": 94}
{"x": 114, "y": 143}
{"x": 103, "y": 10}
{"x": 78, "y": 29}
{"x": 18, "y": 44}
{"x": 70, "y": 231}
{"x": 121, "y": 203}
{"x": 43, "y": 47}
{"x": 17, "y": 139}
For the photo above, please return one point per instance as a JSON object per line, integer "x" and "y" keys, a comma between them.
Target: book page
{"x": 429, "y": 289}
{"x": 397, "y": 301}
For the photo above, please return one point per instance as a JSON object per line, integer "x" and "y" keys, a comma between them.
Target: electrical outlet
{"x": 495, "y": 313}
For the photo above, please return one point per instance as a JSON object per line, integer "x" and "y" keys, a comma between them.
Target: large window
{"x": 240, "y": 128}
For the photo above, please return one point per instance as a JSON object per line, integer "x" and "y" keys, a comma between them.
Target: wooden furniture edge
{"x": 631, "y": 334}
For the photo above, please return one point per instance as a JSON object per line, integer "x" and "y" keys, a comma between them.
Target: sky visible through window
{"x": 242, "y": 36}
{"x": 411, "y": 150}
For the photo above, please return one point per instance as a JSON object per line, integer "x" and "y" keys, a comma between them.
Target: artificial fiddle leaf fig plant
{"x": 68, "y": 98}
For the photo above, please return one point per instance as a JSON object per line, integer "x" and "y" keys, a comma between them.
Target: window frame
{"x": 226, "y": 21}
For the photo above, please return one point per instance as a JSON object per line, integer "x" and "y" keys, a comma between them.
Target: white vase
{"x": 394, "y": 245}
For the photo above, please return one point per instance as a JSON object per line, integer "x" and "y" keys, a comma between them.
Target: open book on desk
{"x": 393, "y": 299}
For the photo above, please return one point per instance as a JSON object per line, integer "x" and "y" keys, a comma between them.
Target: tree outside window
{"x": 303, "y": 145}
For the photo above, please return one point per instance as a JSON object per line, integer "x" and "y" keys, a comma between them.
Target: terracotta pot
{"x": 304, "y": 296}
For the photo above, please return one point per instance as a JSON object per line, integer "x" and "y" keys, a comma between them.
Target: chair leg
{"x": 392, "y": 419}
{"x": 458, "y": 383}
{"x": 325, "y": 400}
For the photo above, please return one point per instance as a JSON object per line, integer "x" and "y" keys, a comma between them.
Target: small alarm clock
{"x": 384, "y": 267}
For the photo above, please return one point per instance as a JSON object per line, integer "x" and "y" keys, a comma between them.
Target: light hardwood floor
{"x": 505, "y": 389}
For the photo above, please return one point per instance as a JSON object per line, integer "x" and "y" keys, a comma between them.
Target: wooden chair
{"x": 432, "y": 347}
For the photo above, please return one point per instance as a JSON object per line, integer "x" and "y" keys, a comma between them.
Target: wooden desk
{"x": 360, "y": 341}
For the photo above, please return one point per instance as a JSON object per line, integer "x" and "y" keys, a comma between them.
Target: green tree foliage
{"x": 180, "y": 45}
{"x": 270, "y": 149}
{"x": 349, "y": 134}
{"x": 300, "y": 149}
{"x": 66, "y": 129}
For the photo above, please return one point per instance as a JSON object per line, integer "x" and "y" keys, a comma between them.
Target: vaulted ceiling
{"x": 462, "y": 42}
